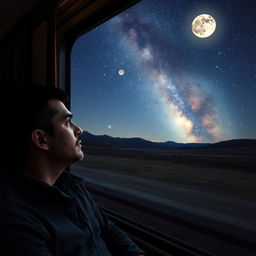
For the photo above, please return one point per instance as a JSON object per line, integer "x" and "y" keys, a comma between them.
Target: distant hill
{"x": 238, "y": 143}
{"x": 89, "y": 139}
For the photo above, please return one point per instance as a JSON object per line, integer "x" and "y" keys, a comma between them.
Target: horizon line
{"x": 167, "y": 140}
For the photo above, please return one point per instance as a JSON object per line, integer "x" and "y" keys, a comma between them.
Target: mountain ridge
{"x": 89, "y": 139}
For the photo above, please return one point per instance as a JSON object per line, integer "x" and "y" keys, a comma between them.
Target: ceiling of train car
{"x": 12, "y": 11}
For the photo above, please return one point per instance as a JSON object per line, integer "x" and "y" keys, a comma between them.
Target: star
{"x": 121, "y": 72}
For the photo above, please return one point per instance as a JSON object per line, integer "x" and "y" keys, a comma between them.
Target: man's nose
{"x": 78, "y": 130}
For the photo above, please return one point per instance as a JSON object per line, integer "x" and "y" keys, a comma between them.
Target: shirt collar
{"x": 68, "y": 179}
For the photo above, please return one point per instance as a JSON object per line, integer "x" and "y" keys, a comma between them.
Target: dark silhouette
{"x": 46, "y": 210}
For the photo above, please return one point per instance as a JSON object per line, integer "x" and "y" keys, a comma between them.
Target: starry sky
{"x": 143, "y": 73}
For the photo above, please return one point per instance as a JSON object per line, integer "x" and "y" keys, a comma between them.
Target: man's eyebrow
{"x": 66, "y": 115}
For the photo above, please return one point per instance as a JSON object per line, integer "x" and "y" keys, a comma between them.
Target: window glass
{"x": 166, "y": 95}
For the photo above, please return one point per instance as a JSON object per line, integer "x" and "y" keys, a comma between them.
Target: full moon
{"x": 121, "y": 72}
{"x": 203, "y": 25}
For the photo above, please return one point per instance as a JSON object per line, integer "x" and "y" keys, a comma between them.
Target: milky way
{"x": 189, "y": 107}
{"x": 145, "y": 73}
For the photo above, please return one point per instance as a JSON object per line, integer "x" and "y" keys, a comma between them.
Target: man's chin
{"x": 80, "y": 156}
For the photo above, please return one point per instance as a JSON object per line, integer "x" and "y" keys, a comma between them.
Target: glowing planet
{"x": 121, "y": 72}
{"x": 203, "y": 25}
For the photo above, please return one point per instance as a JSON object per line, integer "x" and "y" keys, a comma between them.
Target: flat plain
{"x": 229, "y": 171}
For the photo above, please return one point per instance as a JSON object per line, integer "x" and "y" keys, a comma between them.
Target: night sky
{"x": 145, "y": 74}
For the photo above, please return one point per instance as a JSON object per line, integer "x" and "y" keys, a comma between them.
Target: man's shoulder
{"x": 14, "y": 196}
{"x": 11, "y": 198}
{"x": 7, "y": 187}
{"x": 13, "y": 207}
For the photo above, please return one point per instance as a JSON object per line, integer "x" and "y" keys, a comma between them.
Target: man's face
{"x": 64, "y": 144}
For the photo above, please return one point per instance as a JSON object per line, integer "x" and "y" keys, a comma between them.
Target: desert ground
{"x": 228, "y": 172}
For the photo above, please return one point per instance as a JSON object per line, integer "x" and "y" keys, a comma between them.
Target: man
{"x": 45, "y": 210}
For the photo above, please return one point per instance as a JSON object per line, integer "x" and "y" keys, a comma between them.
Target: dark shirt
{"x": 43, "y": 220}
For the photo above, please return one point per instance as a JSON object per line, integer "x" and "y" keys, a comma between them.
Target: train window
{"x": 165, "y": 93}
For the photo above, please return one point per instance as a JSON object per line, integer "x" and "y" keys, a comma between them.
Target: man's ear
{"x": 39, "y": 138}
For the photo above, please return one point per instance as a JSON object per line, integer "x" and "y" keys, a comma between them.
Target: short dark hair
{"x": 24, "y": 110}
